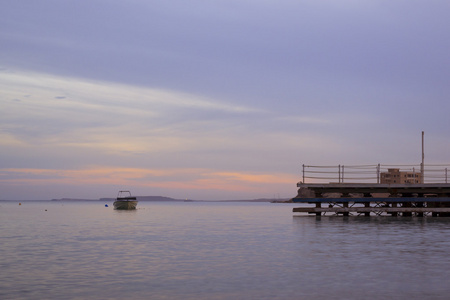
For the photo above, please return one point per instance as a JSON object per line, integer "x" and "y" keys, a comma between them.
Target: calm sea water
{"x": 190, "y": 250}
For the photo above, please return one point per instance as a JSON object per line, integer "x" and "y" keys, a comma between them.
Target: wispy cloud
{"x": 112, "y": 96}
{"x": 54, "y": 109}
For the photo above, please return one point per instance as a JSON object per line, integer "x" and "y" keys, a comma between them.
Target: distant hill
{"x": 146, "y": 198}
{"x": 74, "y": 199}
{"x": 255, "y": 200}
{"x": 156, "y": 198}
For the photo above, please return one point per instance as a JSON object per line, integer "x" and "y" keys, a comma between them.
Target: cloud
{"x": 109, "y": 109}
{"x": 124, "y": 118}
{"x": 180, "y": 181}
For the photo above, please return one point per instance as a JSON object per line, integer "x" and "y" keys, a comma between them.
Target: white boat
{"x": 124, "y": 200}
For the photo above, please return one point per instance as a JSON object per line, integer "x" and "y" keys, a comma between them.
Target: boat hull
{"x": 125, "y": 204}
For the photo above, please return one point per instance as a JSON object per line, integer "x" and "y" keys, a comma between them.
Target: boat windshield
{"x": 124, "y": 194}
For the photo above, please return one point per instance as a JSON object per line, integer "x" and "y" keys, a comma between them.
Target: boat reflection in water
{"x": 124, "y": 200}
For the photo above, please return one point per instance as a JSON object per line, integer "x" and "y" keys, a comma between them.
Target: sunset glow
{"x": 226, "y": 104}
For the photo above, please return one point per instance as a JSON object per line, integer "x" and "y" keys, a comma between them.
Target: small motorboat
{"x": 124, "y": 200}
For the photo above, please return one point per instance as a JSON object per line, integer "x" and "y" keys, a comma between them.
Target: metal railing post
{"x": 339, "y": 173}
{"x": 378, "y": 173}
{"x": 303, "y": 171}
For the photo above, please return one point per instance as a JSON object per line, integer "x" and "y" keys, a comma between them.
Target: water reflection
{"x": 217, "y": 251}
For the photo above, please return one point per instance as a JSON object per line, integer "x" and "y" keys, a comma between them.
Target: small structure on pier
{"x": 394, "y": 175}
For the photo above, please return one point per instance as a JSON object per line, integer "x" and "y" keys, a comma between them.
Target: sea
{"x": 216, "y": 250}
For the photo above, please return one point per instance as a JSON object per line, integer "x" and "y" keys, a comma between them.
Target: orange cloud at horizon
{"x": 190, "y": 179}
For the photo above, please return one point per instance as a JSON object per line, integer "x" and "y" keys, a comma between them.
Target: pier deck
{"x": 393, "y": 189}
{"x": 399, "y": 199}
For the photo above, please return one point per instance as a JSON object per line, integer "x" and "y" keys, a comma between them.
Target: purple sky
{"x": 215, "y": 99}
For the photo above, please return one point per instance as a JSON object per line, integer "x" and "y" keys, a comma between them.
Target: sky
{"x": 215, "y": 100}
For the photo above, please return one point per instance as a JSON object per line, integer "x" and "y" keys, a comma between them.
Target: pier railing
{"x": 370, "y": 173}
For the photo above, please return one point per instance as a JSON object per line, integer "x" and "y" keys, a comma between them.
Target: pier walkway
{"x": 379, "y": 199}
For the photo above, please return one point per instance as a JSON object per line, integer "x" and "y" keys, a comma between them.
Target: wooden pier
{"x": 364, "y": 199}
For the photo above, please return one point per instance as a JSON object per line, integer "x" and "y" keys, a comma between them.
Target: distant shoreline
{"x": 154, "y": 199}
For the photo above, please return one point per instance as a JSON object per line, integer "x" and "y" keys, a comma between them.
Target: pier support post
{"x": 345, "y": 205}
{"x": 436, "y": 205}
{"x": 406, "y": 214}
{"x": 367, "y": 204}
{"x": 419, "y": 204}
{"x": 407, "y": 204}
{"x": 444, "y": 204}
{"x": 394, "y": 214}
{"x": 318, "y": 205}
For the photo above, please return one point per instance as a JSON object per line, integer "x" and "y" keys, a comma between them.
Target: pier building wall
{"x": 394, "y": 175}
